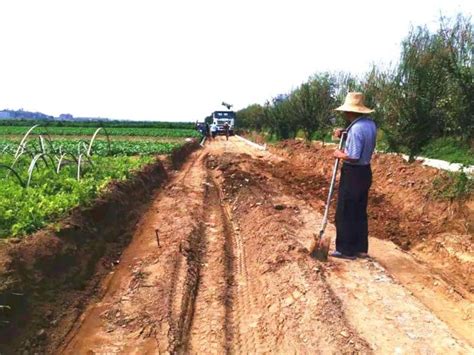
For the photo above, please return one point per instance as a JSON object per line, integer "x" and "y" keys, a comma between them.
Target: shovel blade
{"x": 320, "y": 250}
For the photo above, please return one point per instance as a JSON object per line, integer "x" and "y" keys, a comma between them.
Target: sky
{"x": 178, "y": 60}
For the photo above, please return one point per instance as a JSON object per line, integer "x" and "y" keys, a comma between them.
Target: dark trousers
{"x": 351, "y": 213}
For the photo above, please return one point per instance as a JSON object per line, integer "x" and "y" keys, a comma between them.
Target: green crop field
{"x": 43, "y": 177}
{"x": 89, "y": 131}
{"x": 99, "y": 147}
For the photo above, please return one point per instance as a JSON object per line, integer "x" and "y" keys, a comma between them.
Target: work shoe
{"x": 338, "y": 254}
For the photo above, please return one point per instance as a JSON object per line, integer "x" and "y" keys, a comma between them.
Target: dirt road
{"x": 219, "y": 264}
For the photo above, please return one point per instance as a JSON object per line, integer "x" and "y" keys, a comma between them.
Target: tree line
{"x": 427, "y": 94}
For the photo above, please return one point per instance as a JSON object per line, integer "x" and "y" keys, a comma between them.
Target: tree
{"x": 278, "y": 117}
{"x": 251, "y": 117}
{"x": 411, "y": 93}
{"x": 455, "y": 54}
{"x": 312, "y": 104}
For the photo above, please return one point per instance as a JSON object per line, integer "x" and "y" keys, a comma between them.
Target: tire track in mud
{"x": 225, "y": 307}
{"x": 244, "y": 311}
{"x": 186, "y": 272}
{"x": 184, "y": 290}
{"x": 192, "y": 294}
{"x": 290, "y": 304}
{"x": 208, "y": 332}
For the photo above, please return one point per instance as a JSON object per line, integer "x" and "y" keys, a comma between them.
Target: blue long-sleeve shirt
{"x": 361, "y": 139}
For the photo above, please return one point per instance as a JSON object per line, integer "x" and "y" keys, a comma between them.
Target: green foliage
{"x": 455, "y": 58}
{"x": 95, "y": 124}
{"x": 452, "y": 186}
{"x": 323, "y": 136}
{"x": 252, "y": 117}
{"x": 51, "y": 195}
{"x": 99, "y": 147}
{"x": 278, "y": 117}
{"x": 450, "y": 149}
{"x": 89, "y": 131}
{"x": 410, "y": 96}
{"x": 313, "y": 103}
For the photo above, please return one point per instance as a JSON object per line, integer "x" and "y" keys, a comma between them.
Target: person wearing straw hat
{"x": 356, "y": 178}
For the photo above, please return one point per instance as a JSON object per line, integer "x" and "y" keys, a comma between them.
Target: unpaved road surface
{"x": 219, "y": 264}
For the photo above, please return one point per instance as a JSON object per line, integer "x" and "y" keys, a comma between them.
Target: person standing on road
{"x": 356, "y": 178}
{"x": 226, "y": 130}
{"x": 214, "y": 130}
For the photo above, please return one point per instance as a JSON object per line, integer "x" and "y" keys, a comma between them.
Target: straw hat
{"x": 354, "y": 103}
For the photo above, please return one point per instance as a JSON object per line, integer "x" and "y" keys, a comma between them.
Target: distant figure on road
{"x": 226, "y": 130}
{"x": 214, "y": 130}
{"x": 203, "y": 130}
{"x": 352, "y": 228}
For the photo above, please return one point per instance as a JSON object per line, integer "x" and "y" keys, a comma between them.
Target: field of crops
{"x": 43, "y": 176}
{"x": 112, "y": 131}
{"x": 100, "y": 147}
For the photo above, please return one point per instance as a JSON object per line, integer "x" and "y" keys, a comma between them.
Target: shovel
{"x": 320, "y": 247}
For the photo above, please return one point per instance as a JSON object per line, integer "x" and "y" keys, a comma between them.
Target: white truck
{"x": 219, "y": 118}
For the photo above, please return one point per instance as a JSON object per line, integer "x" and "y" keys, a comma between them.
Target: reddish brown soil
{"x": 402, "y": 207}
{"x": 219, "y": 264}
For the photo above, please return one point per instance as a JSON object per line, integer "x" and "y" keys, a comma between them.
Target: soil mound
{"x": 402, "y": 207}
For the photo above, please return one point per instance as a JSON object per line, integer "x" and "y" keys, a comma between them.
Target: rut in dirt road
{"x": 211, "y": 329}
{"x": 243, "y": 315}
{"x": 148, "y": 302}
{"x": 232, "y": 275}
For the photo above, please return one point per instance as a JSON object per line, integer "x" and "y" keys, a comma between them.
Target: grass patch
{"x": 451, "y": 150}
{"x": 452, "y": 186}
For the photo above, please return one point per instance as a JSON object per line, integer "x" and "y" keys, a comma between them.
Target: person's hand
{"x": 338, "y": 132}
{"x": 339, "y": 154}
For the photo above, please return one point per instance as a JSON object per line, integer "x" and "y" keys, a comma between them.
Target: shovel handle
{"x": 331, "y": 187}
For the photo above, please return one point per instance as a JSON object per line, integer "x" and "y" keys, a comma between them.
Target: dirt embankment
{"x": 402, "y": 208}
{"x": 47, "y": 277}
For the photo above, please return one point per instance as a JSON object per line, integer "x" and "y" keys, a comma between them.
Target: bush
{"x": 452, "y": 186}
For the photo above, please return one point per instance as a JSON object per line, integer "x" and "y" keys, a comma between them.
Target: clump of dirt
{"x": 52, "y": 274}
{"x": 402, "y": 207}
{"x": 236, "y": 178}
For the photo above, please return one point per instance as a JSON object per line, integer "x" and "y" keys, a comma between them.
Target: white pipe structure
{"x": 32, "y": 167}
{"x": 79, "y": 162}
{"x": 89, "y": 148}
{"x": 444, "y": 165}
{"x": 255, "y": 145}
{"x": 21, "y": 145}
